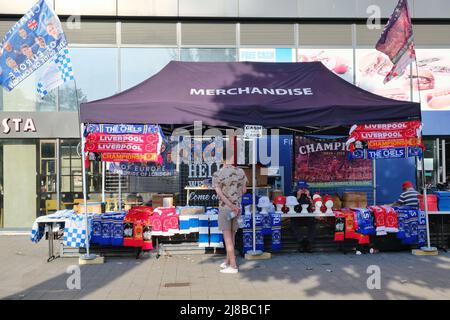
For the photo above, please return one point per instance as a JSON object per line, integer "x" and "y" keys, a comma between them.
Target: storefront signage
{"x": 252, "y": 132}
{"x": 18, "y": 125}
{"x": 203, "y": 197}
{"x": 251, "y": 91}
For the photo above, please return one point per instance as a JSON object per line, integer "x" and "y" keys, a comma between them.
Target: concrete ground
{"x": 25, "y": 274}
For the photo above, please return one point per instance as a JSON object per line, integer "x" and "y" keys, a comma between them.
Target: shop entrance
{"x": 18, "y": 183}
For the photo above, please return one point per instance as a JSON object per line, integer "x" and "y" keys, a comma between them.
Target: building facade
{"x": 115, "y": 44}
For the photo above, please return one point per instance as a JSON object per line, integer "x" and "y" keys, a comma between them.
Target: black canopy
{"x": 237, "y": 93}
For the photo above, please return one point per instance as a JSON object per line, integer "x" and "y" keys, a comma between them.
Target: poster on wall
{"x": 325, "y": 163}
{"x": 199, "y": 160}
{"x": 432, "y": 78}
{"x": 372, "y": 67}
{"x": 340, "y": 61}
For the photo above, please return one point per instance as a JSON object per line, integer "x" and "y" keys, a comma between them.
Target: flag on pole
{"x": 36, "y": 40}
{"x": 397, "y": 41}
{"x": 58, "y": 71}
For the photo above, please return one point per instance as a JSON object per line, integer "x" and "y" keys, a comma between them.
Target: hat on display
{"x": 291, "y": 201}
{"x": 247, "y": 199}
{"x": 264, "y": 202}
{"x": 407, "y": 184}
{"x": 318, "y": 199}
{"x": 327, "y": 198}
{"x": 280, "y": 200}
{"x": 316, "y": 195}
{"x": 302, "y": 185}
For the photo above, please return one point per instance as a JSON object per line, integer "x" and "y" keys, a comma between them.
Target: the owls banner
{"x": 325, "y": 163}
{"x": 31, "y": 42}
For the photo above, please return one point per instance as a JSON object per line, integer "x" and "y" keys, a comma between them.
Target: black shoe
{"x": 307, "y": 247}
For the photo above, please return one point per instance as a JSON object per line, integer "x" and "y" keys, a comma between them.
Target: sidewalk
{"x": 25, "y": 274}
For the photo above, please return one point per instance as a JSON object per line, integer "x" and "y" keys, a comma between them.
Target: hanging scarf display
{"x": 365, "y": 221}
{"x": 275, "y": 219}
{"x": 380, "y": 220}
{"x": 96, "y": 229}
{"x": 391, "y": 219}
{"x": 408, "y": 225}
{"x": 125, "y": 143}
{"x": 339, "y": 226}
{"x": 215, "y": 235}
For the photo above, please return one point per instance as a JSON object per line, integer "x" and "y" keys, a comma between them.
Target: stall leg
{"x": 51, "y": 255}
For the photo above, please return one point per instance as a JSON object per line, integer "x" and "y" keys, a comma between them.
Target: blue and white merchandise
{"x": 75, "y": 231}
{"x": 365, "y": 221}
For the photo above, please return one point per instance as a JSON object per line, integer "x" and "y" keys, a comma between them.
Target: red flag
{"x": 397, "y": 42}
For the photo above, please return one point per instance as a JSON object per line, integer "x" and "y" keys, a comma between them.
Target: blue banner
{"x": 33, "y": 40}
{"x": 123, "y": 128}
{"x": 388, "y": 153}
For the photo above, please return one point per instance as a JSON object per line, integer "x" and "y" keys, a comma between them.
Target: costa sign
{"x": 18, "y": 125}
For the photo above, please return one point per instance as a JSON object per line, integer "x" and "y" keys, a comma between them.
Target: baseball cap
{"x": 407, "y": 184}
{"x": 302, "y": 185}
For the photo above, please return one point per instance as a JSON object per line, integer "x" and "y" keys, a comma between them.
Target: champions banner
{"x": 32, "y": 41}
{"x": 130, "y": 143}
{"x": 386, "y": 141}
{"x": 325, "y": 163}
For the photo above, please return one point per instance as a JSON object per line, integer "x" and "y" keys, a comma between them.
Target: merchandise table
{"x": 49, "y": 223}
{"x": 306, "y": 215}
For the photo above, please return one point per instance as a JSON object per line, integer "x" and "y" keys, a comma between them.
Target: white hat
{"x": 264, "y": 202}
{"x": 291, "y": 201}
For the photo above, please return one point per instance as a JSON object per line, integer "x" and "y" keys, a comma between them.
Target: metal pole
{"x": 425, "y": 201}
{"x": 83, "y": 157}
{"x": 254, "y": 192}
{"x": 103, "y": 181}
{"x": 444, "y": 164}
{"x": 374, "y": 181}
{"x": 438, "y": 160}
{"x": 120, "y": 191}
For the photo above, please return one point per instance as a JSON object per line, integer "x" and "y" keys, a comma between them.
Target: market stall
{"x": 299, "y": 96}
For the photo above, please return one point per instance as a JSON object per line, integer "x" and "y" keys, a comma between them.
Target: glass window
{"x": 25, "y": 98}
{"x": 267, "y": 54}
{"x": 371, "y": 69}
{"x": 95, "y": 72}
{"x": 208, "y": 54}
{"x": 338, "y": 60}
{"x": 434, "y": 79}
{"x": 138, "y": 64}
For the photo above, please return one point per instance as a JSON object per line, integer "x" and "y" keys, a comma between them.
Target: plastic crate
{"x": 432, "y": 202}
{"x": 443, "y": 200}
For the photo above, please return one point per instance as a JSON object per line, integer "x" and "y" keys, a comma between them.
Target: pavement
{"x": 25, "y": 274}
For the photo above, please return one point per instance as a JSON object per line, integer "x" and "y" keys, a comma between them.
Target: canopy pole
{"x": 254, "y": 192}
{"x": 374, "y": 181}
{"x": 87, "y": 256}
{"x": 120, "y": 192}
{"x": 103, "y": 181}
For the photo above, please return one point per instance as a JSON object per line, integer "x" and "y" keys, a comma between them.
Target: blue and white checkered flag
{"x": 58, "y": 71}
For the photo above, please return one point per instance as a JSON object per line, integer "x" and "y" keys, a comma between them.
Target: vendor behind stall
{"x": 409, "y": 197}
{"x": 304, "y": 241}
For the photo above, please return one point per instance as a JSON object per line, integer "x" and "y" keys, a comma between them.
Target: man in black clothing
{"x": 297, "y": 224}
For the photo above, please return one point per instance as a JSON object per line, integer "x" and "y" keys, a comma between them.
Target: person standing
{"x": 304, "y": 241}
{"x": 409, "y": 197}
{"x": 230, "y": 184}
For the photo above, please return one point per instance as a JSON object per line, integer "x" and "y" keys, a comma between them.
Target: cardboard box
{"x": 261, "y": 179}
{"x": 92, "y": 207}
{"x": 158, "y": 199}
